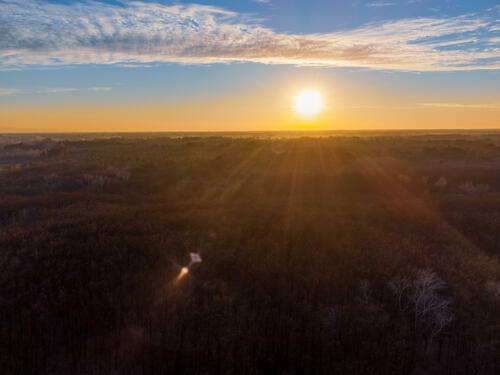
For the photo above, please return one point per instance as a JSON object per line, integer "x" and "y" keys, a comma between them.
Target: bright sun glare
{"x": 308, "y": 103}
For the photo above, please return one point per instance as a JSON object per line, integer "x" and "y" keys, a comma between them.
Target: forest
{"x": 334, "y": 253}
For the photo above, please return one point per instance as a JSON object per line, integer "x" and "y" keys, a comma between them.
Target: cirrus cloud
{"x": 56, "y": 90}
{"x": 381, "y": 4}
{"x": 38, "y": 33}
{"x": 462, "y": 105}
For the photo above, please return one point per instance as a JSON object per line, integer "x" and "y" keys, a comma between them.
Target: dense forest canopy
{"x": 331, "y": 254}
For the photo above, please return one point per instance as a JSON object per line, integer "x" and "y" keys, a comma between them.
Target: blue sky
{"x": 98, "y": 52}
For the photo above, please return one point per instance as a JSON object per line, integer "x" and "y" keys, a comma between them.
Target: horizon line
{"x": 252, "y": 131}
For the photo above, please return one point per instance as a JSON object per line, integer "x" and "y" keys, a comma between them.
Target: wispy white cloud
{"x": 462, "y": 105}
{"x": 101, "y": 88}
{"x": 433, "y": 105}
{"x": 37, "y": 33}
{"x": 9, "y": 91}
{"x": 54, "y": 91}
{"x": 135, "y": 65}
{"x": 380, "y": 4}
{"x": 57, "y": 90}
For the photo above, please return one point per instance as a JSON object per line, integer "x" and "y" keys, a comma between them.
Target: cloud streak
{"x": 461, "y": 105}
{"x": 10, "y": 91}
{"x": 57, "y": 90}
{"x": 37, "y": 33}
{"x": 381, "y": 4}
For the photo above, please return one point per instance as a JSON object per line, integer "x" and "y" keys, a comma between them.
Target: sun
{"x": 308, "y": 103}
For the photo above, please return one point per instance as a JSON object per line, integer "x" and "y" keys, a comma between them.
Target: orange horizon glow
{"x": 205, "y": 118}
{"x": 265, "y": 110}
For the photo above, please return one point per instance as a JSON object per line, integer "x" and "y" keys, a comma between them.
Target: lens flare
{"x": 184, "y": 271}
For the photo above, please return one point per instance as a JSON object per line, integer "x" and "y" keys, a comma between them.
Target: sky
{"x": 226, "y": 65}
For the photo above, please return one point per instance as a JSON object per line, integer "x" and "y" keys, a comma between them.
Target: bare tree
{"x": 439, "y": 321}
{"x": 429, "y": 306}
{"x": 441, "y": 183}
{"x": 423, "y": 294}
{"x": 365, "y": 290}
{"x": 493, "y": 288}
{"x": 399, "y": 287}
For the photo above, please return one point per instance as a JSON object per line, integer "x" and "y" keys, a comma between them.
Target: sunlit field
{"x": 250, "y": 253}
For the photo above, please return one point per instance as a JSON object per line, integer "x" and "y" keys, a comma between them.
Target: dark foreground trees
{"x": 320, "y": 255}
